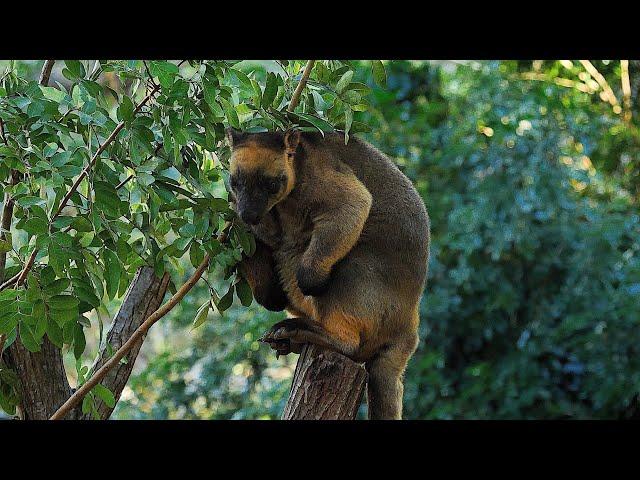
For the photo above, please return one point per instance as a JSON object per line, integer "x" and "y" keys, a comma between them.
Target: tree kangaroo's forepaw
{"x": 278, "y": 339}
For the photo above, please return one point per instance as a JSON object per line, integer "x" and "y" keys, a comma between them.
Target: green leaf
{"x": 75, "y": 69}
{"x": 225, "y": 302}
{"x": 63, "y": 302}
{"x": 230, "y": 113}
{"x": 30, "y": 201}
{"x": 125, "y": 109}
{"x": 196, "y": 254}
{"x": 8, "y": 322}
{"x": 113, "y": 271}
{"x": 57, "y": 287}
{"x": 28, "y": 340}
{"x": 344, "y": 81}
{"x": 36, "y": 226}
{"x": 243, "y": 290}
{"x": 79, "y": 341}
{"x": 201, "y": 314}
{"x": 5, "y": 245}
{"x": 106, "y": 198}
{"x": 54, "y": 333}
{"x": 86, "y": 295}
{"x": 319, "y": 123}
{"x": 270, "y": 90}
{"x": 348, "y": 119}
{"x": 165, "y": 71}
{"x": 379, "y": 73}
{"x": 105, "y": 395}
{"x": 86, "y": 239}
{"x": 87, "y": 404}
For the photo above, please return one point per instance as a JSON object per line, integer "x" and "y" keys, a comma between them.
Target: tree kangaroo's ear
{"x": 291, "y": 140}
{"x": 234, "y": 136}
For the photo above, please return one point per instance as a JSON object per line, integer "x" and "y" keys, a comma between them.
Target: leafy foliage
{"x": 150, "y": 138}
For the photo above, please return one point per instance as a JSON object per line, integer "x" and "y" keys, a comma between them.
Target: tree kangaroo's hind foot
{"x": 291, "y": 334}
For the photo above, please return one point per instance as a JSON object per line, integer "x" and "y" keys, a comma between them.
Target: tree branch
{"x": 295, "y": 99}
{"x": 136, "y": 336}
{"x": 5, "y": 223}
{"x": 46, "y": 72}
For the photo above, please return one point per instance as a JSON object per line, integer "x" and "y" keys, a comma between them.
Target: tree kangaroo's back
{"x": 342, "y": 244}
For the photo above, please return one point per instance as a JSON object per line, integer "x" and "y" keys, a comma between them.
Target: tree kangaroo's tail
{"x": 385, "y": 385}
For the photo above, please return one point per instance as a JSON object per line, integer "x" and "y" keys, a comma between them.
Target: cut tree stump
{"x": 326, "y": 386}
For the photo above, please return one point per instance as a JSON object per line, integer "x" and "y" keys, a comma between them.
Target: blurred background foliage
{"x": 529, "y": 171}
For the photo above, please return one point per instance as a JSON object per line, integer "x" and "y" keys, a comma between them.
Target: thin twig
{"x": 295, "y": 99}
{"x": 124, "y": 182}
{"x": 79, "y": 394}
{"x": 11, "y": 281}
{"x": 4, "y": 139}
{"x": 46, "y": 72}
{"x": 146, "y": 67}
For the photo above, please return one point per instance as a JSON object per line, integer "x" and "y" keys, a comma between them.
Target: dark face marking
{"x": 253, "y": 191}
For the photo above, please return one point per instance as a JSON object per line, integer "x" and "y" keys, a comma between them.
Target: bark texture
{"x": 326, "y": 386}
{"x": 143, "y": 297}
{"x": 43, "y": 381}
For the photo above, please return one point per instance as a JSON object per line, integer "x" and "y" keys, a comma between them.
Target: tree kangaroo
{"x": 342, "y": 244}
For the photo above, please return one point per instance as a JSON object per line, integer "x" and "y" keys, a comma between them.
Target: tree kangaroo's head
{"x": 262, "y": 170}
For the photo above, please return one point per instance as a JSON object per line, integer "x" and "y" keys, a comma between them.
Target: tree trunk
{"x": 143, "y": 297}
{"x": 326, "y": 386}
{"x": 43, "y": 380}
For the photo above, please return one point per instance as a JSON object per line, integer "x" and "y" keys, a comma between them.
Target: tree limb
{"x": 5, "y": 223}
{"x": 295, "y": 99}
{"x": 46, "y": 72}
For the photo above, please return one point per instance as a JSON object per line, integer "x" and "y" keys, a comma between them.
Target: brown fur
{"x": 349, "y": 239}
